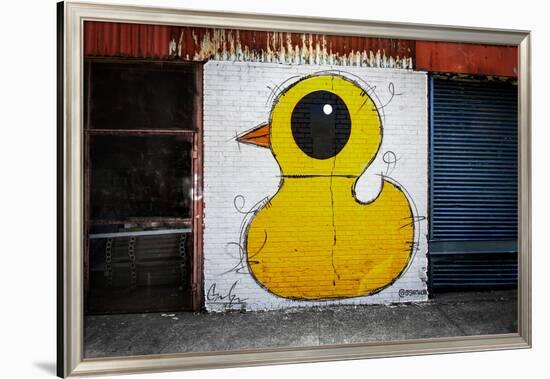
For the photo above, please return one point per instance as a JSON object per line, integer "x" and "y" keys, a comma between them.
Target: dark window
{"x": 141, "y": 178}
{"x": 141, "y": 96}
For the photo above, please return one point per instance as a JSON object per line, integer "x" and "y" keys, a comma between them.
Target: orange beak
{"x": 258, "y": 136}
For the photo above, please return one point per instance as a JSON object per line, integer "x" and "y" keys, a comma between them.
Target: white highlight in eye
{"x": 327, "y": 108}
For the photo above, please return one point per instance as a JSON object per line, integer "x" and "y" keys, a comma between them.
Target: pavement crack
{"x": 450, "y": 320}
{"x": 318, "y": 329}
{"x": 149, "y": 333}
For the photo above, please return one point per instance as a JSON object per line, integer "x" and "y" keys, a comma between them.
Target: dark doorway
{"x": 143, "y": 165}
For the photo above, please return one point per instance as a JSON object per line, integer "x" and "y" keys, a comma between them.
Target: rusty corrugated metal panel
{"x": 200, "y": 44}
{"x": 465, "y": 58}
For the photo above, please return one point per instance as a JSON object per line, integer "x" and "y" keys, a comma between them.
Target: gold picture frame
{"x": 71, "y": 18}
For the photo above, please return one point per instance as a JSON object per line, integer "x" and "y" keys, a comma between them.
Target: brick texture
{"x": 240, "y": 178}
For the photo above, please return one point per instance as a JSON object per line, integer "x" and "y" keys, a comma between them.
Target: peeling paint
{"x": 111, "y": 39}
{"x": 314, "y": 49}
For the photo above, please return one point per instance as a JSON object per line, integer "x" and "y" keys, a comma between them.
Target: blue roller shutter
{"x": 473, "y": 183}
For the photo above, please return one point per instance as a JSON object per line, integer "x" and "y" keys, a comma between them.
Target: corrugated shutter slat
{"x": 474, "y": 159}
{"x": 473, "y": 183}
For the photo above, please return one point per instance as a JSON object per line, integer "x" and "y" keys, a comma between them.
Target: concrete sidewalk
{"x": 449, "y": 314}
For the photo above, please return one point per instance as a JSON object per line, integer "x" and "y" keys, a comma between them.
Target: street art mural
{"x": 316, "y": 185}
{"x": 313, "y": 239}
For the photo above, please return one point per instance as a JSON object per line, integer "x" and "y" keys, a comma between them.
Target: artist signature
{"x": 406, "y": 293}
{"x": 229, "y": 299}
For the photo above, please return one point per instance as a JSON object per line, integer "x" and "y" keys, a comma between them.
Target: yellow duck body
{"x": 314, "y": 239}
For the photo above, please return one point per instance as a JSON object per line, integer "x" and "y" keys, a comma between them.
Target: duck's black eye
{"x": 321, "y": 124}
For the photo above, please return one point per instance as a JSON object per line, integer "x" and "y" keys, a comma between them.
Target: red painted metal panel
{"x": 467, "y": 58}
{"x": 110, "y": 39}
{"x": 152, "y": 41}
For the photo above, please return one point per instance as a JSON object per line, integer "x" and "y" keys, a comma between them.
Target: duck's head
{"x": 322, "y": 125}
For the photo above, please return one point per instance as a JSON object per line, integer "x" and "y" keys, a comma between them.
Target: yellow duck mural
{"x": 313, "y": 239}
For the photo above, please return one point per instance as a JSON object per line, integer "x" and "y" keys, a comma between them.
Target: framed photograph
{"x": 247, "y": 189}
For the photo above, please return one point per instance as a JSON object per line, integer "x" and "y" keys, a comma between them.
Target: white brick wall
{"x": 238, "y": 176}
